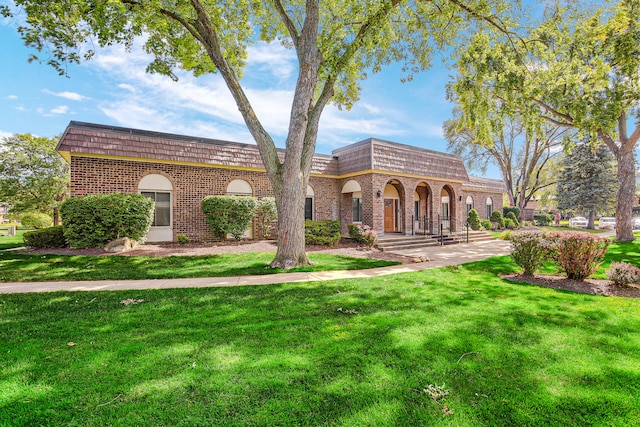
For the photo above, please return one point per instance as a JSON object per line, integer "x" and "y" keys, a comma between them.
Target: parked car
{"x": 607, "y": 223}
{"x": 578, "y": 221}
{"x": 636, "y": 223}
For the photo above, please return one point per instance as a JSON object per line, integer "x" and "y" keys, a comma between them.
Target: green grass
{"x": 342, "y": 353}
{"x": 9, "y": 242}
{"x": 17, "y": 268}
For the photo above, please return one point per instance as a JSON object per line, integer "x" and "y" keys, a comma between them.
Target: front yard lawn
{"x": 455, "y": 346}
{"x": 21, "y": 268}
{"x": 10, "y": 242}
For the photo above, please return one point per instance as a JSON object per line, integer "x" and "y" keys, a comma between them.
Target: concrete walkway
{"x": 440, "y": 256}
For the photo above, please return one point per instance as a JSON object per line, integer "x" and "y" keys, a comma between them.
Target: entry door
{"x": 390, "y": 219}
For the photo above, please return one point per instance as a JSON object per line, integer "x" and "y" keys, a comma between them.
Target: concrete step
{"x": 388, "y": 244}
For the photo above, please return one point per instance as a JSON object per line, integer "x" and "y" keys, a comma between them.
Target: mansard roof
{"x": 380, "y": 155}
{"x": 370, "y": 155}
{"x": 111, "y": 141}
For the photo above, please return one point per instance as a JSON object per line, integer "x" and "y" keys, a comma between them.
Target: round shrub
{"x": 473, "y": 219}
{"x": 496, "y": 218}
{"x": 509, "y": 224}
{"x": 528, "y": 250}
{"x": 96, "y": 219}
{"x": 577, "y": 254}
{"x": 36, "y": 220}
{"x": 542, "y": 218}
{"x": 512, "y": 216}
{"x": 514, "y": 209}
{"x": 52, "y": 237}
{"x": 228, "y": 215}
{"x": 623, "y": 274}
{"x": 486, "y": 224}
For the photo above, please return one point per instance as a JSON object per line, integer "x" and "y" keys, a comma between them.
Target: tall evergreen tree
{"x": 588, "y": 181}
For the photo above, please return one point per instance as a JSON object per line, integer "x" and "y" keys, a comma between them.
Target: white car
{"x": 578, "y": 221}
{"x": 607, "y": 223}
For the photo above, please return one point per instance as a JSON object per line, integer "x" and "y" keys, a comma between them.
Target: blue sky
{"x": 114, "y": 89}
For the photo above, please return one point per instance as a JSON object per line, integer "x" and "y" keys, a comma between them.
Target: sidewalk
{"x": 440, "y": 256}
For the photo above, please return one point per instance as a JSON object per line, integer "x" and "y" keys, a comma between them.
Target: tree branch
{"x": 288, "y": 22}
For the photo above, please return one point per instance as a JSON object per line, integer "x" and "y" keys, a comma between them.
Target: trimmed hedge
{"x": 52, "y": 237}
{"x": 514, "y": 209}
{"x": 325, "y": 232}
{"x": 96, "y": 219}
{"x": 36, "y": 220}
{"x": 228, "y": 215}
{"x": 542, "y": 218}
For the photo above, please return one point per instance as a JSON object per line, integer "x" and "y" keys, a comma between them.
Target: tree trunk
{"x": 626, "y": 194}
{"x": 291, "y": 243}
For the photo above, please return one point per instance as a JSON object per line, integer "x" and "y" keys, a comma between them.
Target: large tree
{"x": 336, "y": 42}
{"x": 587, "y": 181}
{"x": 33, "y": 177}
{"x": 523, "y": 159}
{"x": 578, "y": 68}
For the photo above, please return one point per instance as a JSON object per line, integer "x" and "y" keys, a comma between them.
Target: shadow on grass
{"x": 349, "y": 352}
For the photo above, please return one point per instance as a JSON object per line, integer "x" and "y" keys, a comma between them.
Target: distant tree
{"x": 587, "y": 181}
{"x": 521, "y": 158}
{"x": 33, "y": 176}
{"x": 579, "y": 67}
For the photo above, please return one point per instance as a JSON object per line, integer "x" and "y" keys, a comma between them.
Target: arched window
{"x": 239, "y": 187}
{"x": 469, "y": 204}
{"x": 489, "y": 207}
{"x": 353, "y": 187}
{"x": 159, "y": 189}
{"x": 309, "y": 204}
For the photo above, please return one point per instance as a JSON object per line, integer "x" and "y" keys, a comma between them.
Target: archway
{"x": 352, "y": 193}
{"x": 447, "y": 208}
{"x": 393, "y": 206}
{"x": 422, "y": 208}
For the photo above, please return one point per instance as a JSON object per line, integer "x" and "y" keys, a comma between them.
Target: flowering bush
{"x": 622, "y": 273}
{"x": 363, "y": 234}
{"x": 577, "y": 254}
{"x": 528, "y": 250}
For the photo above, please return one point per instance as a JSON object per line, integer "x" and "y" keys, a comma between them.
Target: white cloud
{"x": 128, "y": 87}
{"x": 60, "y": 109}
{"x": 12, "y": 97}
{"x": 73, "y": 96}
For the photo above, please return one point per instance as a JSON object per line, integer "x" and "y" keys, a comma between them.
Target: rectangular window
{"x": 469, "y": 207}
{"x": 489, "y": 210}
{"x": 308, "y": 208}
{"x": 445, "y": 211}
{"x": 357, "y": 209}
{"x": 162, "y": 213}
{"x": 417, "y": 210}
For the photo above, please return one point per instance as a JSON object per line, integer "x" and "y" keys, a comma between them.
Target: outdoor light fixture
{"x": 379, "y": 193}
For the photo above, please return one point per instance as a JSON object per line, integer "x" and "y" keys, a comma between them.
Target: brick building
{"x": 394, "y": 188}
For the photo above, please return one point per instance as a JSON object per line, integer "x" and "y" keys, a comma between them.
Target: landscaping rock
{"x": 120, "y": 245}
{"x": 420, "y": 259}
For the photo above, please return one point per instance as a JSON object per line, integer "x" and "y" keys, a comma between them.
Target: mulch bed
{"x": 588, "y": 286}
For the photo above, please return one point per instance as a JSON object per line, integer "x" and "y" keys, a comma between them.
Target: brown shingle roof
{"x": 92, "y": 139}
{"x": 485, "y": 184}
{"x": 378, "y": 154}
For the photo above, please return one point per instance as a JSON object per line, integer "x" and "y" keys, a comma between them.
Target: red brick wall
{"x": 190, "y": 185}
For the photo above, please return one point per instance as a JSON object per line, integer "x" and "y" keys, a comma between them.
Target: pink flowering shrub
{"x": 528, "y": 250}
{"x": 622, "y": 273}
{"x": 577, "y": 254}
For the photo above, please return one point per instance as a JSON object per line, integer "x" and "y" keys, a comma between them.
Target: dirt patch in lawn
{"x": 197, "y": 249}
{"x": 587, "y": 286}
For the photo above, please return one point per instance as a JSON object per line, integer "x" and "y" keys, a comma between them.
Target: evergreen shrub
{"x": 228, "y": 215}
{"x": 363, "y": 234}
{"x": 512, "y": 216}
{"x": 96, "y": 219}
{"x": 473, "y": 219}
{"x": 497, "y": 219}
{"x": 267, "y": 217}
{"x": 486, "y": 224}
{"x": 509, "y": 224}
{"x": 36, "y": 220}
{"x": 542, "y": 218}
{"x": 52, "y": 237}
{"x": 514, "y": 209}
{"x": 325, "y": 232}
